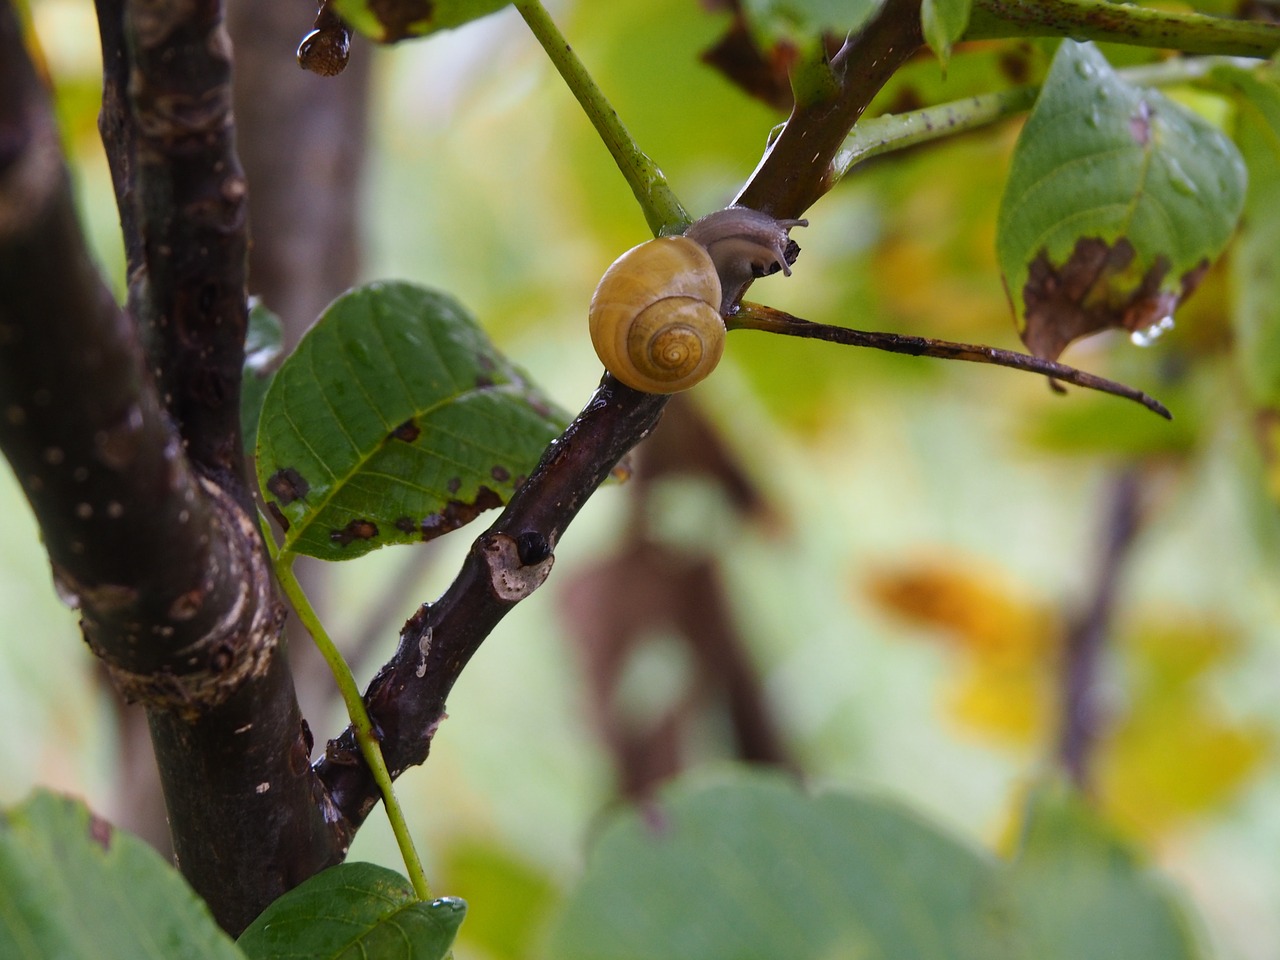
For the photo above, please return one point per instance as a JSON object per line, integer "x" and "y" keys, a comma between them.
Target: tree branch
{"x": 753, "y": 316}
{"x": 796, "y": 169}
{"x": 182, "y": 197}
{"x": 407, "y": 698}
{"x": 164, "y": 563}
{"x": 508, "y": 562}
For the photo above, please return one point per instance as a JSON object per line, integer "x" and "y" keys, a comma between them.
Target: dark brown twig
{"x": 752, "y": 316}
{"x": 1087, "y": 633}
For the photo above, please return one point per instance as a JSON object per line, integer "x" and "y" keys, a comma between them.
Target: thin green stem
{"x": 1193, "y": 33}
{"x": 892, "y": 132}
{"x": 662, "y": 209}
{"x": 282, "y": 561}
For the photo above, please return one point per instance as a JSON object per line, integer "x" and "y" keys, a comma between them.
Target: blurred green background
{"x": 921, "y": 533}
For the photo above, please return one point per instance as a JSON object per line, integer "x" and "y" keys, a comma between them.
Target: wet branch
{"x": 752, "y": 316}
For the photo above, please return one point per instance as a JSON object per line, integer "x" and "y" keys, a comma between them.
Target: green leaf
{"x": 1254, "y": 267}
{"x": 387, "y": 21}
{"x": 394, "y": 421}
{"x": 74, "y": 888}
{"x": 806, "y": 22}
{"x": 754, "y": 868}
{"x": 354, "y": 911}
{"x": 263, "y": 349}
{"x": 1076, "y": 892}
{"x": 944, "y": 22}
{"x": 1117, "y": 200}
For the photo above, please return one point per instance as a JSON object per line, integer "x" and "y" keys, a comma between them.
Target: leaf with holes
{"x": 75, "y": 888}
{"x": 387, "y": 21}
{"x": 354, "y": 911}
{"x": 1117, "y": 201}
{"x": 394, "y": 421}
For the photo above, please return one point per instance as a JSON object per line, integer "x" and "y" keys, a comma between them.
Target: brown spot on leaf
{"x": 407, "y": 431}
{"x": 287, "y": 485}
{"x": 500, "y": 473}
{"x": 399, "y": 17}
{"x": 454, "y": 484}
{"x": 456, "y": 513}
{"x": 100, "y": 832}
{"x": 358, "y": 529}
{"x": 406, "y": 524}
{"x": 274, "y": 509}
{"x": 1140, "y": 124}
{"x": 1096, "y": 289}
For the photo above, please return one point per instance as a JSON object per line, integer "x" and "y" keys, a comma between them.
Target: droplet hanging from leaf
{"x": 1118, "y": 199}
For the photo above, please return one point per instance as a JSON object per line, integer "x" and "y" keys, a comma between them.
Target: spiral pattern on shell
{"x": 655, "y": 318}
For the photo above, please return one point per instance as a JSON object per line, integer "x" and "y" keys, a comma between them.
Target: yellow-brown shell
{"x": 655, "y": 316}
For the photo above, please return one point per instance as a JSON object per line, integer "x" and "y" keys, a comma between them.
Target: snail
{"x": 656, "y": 316}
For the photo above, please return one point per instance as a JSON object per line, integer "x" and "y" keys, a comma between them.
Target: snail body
{"x": 656, "y": 316}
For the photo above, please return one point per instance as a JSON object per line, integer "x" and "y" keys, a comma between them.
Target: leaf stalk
{"x": 662, "y": 209}
{"x": 362, "y": 724}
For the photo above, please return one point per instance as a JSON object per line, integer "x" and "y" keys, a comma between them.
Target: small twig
{"x": 1122, "y": 23}
{"x": 890, "y": 132}
{"x": 753, "y": 316}
{"x": 661, "y": 207}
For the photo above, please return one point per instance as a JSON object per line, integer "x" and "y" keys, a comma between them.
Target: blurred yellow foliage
{"x": 1167, "y": 753}
{"x": 1002, "y": 689}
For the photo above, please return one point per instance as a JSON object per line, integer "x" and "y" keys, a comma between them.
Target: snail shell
{"x": 655, "y": 316}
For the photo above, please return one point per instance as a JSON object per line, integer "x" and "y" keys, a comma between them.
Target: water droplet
{"x": 1095, "y": 116}
{"x": 1145, "y": 338}
{"x": 1085, "y": 69}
